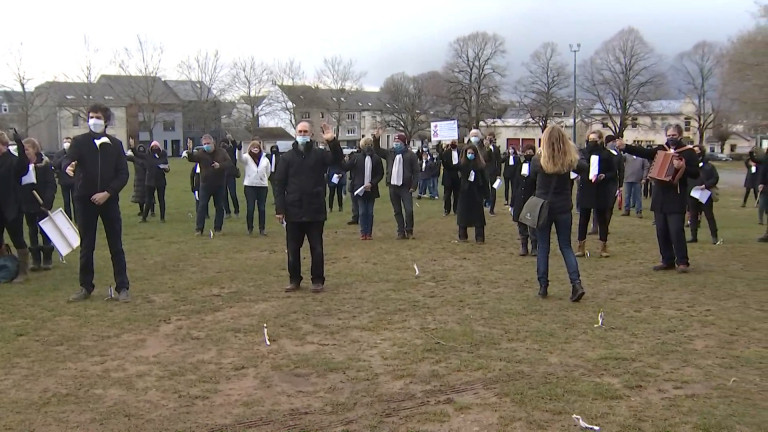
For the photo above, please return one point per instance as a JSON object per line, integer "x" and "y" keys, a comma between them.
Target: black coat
{"x": 57, "y": 162}
{"x": 507, "y": 169}
{"x": 523, "y": 186}
{"x": 300, "y": 182}
{"x": 492, "y": 156}
{"x": 99, "y": 169}
{"x": 599, "y": 195}
{"x": 139, "y": 174}
{"x": 410, "y": 164}
{"x": 470, "y": 211}
{"x": 751, "y": 179}
{"x": 12, "y": 169}
{"x": 356, "y": 166}
{"x": 45, "y": 186}
{"x": 667, "y": 196}
{"x": 155, "y": 176}
{"x": 556, "y": 189}
{"x": 427, "y": 171}
{"x": 450, "y": 170}
{"x": 274, "y": 160}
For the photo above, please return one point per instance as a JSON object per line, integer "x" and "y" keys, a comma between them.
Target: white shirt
{"x": 255, "y": 175}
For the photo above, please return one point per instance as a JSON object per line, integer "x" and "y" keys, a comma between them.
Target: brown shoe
{"x": 604, "y": 250}
{"x": 581, "y": 249}
{"x": 293, "y": 287}
{"x": 683, "y": 268}
{"x": 317, "y": 288}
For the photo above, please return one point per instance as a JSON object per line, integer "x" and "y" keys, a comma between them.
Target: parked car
{"x": 719, "y": 157}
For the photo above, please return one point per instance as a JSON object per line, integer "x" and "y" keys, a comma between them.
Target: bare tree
{"x": 474, "y": 74}
{"x": 250, "y": 81}
{"x": 722, "y": 133}
{"x": 207, "y": 72}
{"x": 143, "y": 63}
{"x": 339, "y": 76}
{"x": 407, "y": 104}
{"x": 699, "y": 68}
{"x": 435, "y": 88}
{"x": 87, "y": 75}
{"x": 291, "y": 73}
{"x": 621, "y": 76}
{"x": 31, "y": 103}
{"x": 542, "y": 89}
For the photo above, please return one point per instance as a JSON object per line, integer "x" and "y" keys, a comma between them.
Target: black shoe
{"x": 152, "y": 214}
{"x": 317, "y": 288}
{"x": 409, "y": 234}
{"x": 162, "y": 220}
{"x": 81, "y": 295}
{"x": 124, "y": 296}
{"x": 693, "y": 240}
{"x": 492, "y": 213}
{"x": 534, "y": 251}
{"x": 143, "y": 220}
{"x": 445, "y": 213}
{"x": 577, "y": 292}
{"x": 352, "y": 222}
{"x": 250, "y": 232}
{"x": 140, "y": 214}
{"x": 662, "y": 267}
{"x": 763, "y": 239}
{"x": 743, "y": 205}
{"x": 543, "y": 291}
{"x": 401, "y": 236}
{"x": 262, "y": 233}
{"x": 715, "y": 240}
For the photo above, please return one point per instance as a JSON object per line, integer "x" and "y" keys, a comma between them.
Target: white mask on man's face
{"x": 65, "y": 145}
{"x": 96, "y": 125}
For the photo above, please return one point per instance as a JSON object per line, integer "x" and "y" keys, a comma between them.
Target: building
{"x": 11, "y": 107}
{"x": 736, "y": 144}
{"x": 201, "y": 109}
{"x": 516, "y": 128}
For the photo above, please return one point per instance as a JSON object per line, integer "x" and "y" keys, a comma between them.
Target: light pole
{"x": 574, "y": 50}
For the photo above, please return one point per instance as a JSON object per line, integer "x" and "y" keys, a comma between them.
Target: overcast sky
{"x": 383, "y": 37}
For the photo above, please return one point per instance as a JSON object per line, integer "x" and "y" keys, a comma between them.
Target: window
{"x": 558, "y": 113}
{"x": 109, "y": 98}
{"x": 604, "y": 121}
{"x": 169, "y": 125}
{"x": 4, "y": 108}
{"x": 322, "y": 115}
{"x": 687, "y": 124}
{"x": 351, "y": 131}
{"x": 362, "y": 122}
{"x": 711, "y": 149}
{"x": 352, "y": 116}
{"x": 305, "y": 116}
{"x": 634, "y": 122}
{"x": 733, "y": 148}
{"x": 75, "y": 119}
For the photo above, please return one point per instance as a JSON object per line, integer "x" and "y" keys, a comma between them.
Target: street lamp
{"x": 574, "y": 50}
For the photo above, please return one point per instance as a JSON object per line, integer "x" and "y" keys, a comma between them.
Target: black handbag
{"x": 535, "y": 212}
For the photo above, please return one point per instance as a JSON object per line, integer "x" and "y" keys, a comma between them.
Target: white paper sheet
{"x": 753, "y": 169}
{"x": 29, "y": 177}
{"x": 197, "y": 196}
{"x": 573, "y": 175}
{"x": 701, "y": 194}
{"x": 360, "y": 191}
{"x": 594, "y": 167}
{"x": 471, "y": 176}
{"x": 335, "y": 179}
{"x": 525, "y": 170}
{"x": 497, "y": 183}
{"x": 512, "y": 160}
{"x": 455, "y": 157}
{"x": 100, "y": 141}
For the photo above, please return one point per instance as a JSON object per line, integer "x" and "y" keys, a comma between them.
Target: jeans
{"x": 34, "y": 229}
{"x": 601, "y": 216}
{"x": 255, "y": 196}
{"x": 670, "y": 233}
{"x": 365, "y": 205}
{"x": 88, "y": 218}
{"x": 219, "y": 195}
{"x": 335, "y": 191}
{"x": 563, "y": 223}
{"x": 633, "y": 196}
{"x": 433, "y": 191}
{"x": 150, "y": 200}
{"x": 423, "y": 185}
{"x": 231, "y": 187}
{"x": 402, "y": 200}
{"x": 294, "y": 238}
{"x": 68, "y": 195}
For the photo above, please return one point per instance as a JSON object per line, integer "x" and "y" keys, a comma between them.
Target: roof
{"x": 11, "y": 96}
{"x": 64, "y": 93}
{"x": 661, "y": 106}
{"x": 272, "y": 134}
{"x": 189, "y": 91}
{"x": 127, "y": 85}
{"x": 315, "y": 97}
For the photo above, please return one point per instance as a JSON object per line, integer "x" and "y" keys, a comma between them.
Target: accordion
{"x": 662, "y": 168}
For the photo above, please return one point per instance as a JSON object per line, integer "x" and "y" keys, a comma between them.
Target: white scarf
{"x": 423, "y": 164}
{"x": 455, "y": 157}
{"x": 273, "y": 163}
{"x": 368, "y": 168}
{"x": 397, "y": 171}
{"x": 511, "y": 159}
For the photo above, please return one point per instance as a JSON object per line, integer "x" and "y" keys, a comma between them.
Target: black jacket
{"x": 556, "y": 188}
{"x": 300, "y": 182}
{"x": 492, "y": 158}
{"x": 12, "y": 169}
{"x": 450, "y": 170}
{"x": 669, "y": 197}
{"x": 598, "y": 195}
{"x": 508, "y": 171}
{"x": 231, "y": 147}
{"x": 523, "y": 186}
{"x": 708, "y": 177}
{"x": 139, "y": 173}
{"x": 274, "y": 159}
{"x": 57, "y": 162}
{"x": 410, "y": 164}
{"x": 469, "y": 209}
{"x": 356, "y": 166}
{"x": 155, "y": 176}
{"x": 99, "y": 169}
{"x": 45, "y": 186}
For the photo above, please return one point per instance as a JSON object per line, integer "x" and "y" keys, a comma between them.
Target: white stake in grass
{"x": 211, "y": 233}
{"x": 600, "y": 317}
{"x": 416, "y": 268}
{"x": 582, "y": 424}
{"x": 266, "y": 337}
{"x": 110, "y": 293}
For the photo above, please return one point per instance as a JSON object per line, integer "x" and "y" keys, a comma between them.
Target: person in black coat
{"x": 473, "y": 193}
{"x": 368, "y": 170}
{"x": 231, "y": 146}
{"x": 426, "y": 171}
{"x": 135, "y": 155}
{"x": 400, "y": 159}
{"x": 66, "y": 182}
{"x": 354, "y": 198}
{"x": 492, "y": 168}
{"x": 708, "y": 179}
{"x": 751, "y": 179}
{"x": 450, "y": 158}
{"x": 155, "y": 165}
{"x": 670, "y": 199}
{"x": 509, "y": 162}
{"x": 274, "y": 159}
{"x": 98, "y": 163}
{"x": 12, "y": 169}
{"x": 300, "y": 184}
{"x": 44, "y": 184}
{"x": 524, "y": 187}
{"x": 762, "y": 187}
{"x": 596, "y": 193}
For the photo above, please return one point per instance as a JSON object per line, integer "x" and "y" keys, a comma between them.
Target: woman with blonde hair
{"x": 255, "y": 184}
{"x": 43, "y": 182}
{"x": 367, "y": 171}
{"x": 551, "y": 171}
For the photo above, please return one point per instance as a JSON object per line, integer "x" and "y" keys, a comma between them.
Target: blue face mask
{"x": 302, "y": 139}
{"x": 471, "y": 156}
{"x": 474, "y": 139}
{"x": 208, "y": 148}
{"x": 398, "y": 145}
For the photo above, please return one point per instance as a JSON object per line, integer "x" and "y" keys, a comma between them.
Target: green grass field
{"x": 465, "y": 346}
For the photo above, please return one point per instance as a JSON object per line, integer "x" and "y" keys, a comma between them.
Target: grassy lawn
{"x": 465, "y": 346}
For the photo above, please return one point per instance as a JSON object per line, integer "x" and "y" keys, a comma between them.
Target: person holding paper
{"x": 450, "y": 159}
{"x": 402, "y": 179}
{"x": 300, "y": 185}
{"x": 40, "y": 179}
{"x": 509, "y": 163}
{"x": 66, "y": 182}
{"x": 155, "y": 164}
{"x": 524, "y": 187}
{"x": 12, "y": 169}
{"x": 703, "y": 201}
{"x": 214, "y": 165}
{"x": 596, "y": 191}
{"x": 255, "y": 184}
{"x": 98, "y": 163}
{"x": 367, "y": 171}
{"x": 231, "y": 146}
{"x": 336, "y": 183}
{"x": 474, "y": 192}
{"x": 669, "y": 199}
{"x": 426, "y": 171}
{"x": 751, "y": 179}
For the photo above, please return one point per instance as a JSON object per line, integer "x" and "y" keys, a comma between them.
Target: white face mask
{"x": 96, "y": 125}
{"x": 65, "y": 145}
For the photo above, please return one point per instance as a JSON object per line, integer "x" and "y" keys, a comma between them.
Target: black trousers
{"x": 355, "y": 207}
{"x": 295, "y": 232}
{"x": 602, "y": 223}
{"x": 334, "y": 191}
{"x": 670, "y": 233}
{"x": 508, "y": 191}
{"x": 15, "y": 230}
{"x": 451, "y": 187}
{"x": 34, "y": 229}
{"x": 746, "y": 194}
{"x": 88, "y": 218}
{"x": 479, "y": 233}
{"x": 492, "y": 200}
{"x": 697, "y": 208}
{"x": 231, "y": 188}
{"x": 149, "y": 202}
{"x": 68, "y": 196}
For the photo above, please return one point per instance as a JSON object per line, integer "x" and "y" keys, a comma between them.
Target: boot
{"x": 577, "y": 292}
{"x": 524, "y": 246}
{"x": 764, "y": 238}
{"x": 47, "y": 257}
{"x": 534, "y": 248}
{"x": 34, "y": 253}
{"x": 626, "y": 213}
{"x": 694, "y": 235}
{"x": 582, "y": 248}
{"x": 23, "y": 265}
{"x": 604, "y": 250}
{"x": 543, "y": 291}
